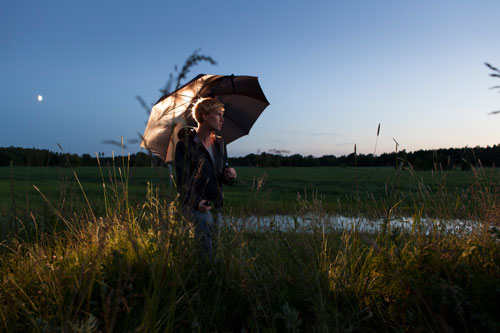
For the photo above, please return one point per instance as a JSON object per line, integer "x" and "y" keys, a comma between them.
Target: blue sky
{"x": 332, "y": 70}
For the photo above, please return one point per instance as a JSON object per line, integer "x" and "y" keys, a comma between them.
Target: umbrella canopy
{"x": 243, "y": 101}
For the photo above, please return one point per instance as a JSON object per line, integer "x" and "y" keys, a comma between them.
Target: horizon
{"x": 283, "y": 154}
{"x": 332, "y": 72}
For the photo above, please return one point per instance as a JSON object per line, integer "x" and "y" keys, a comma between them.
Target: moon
{"x": 40, "y": 98}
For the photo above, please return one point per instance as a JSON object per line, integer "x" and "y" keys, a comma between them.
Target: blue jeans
{"x": 206, "y": 231}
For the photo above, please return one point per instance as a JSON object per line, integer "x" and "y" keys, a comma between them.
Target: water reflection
{"x": 329, "y": 223}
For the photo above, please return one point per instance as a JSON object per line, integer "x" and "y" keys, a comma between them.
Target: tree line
{"x": 42, "y": 157}
{"x": 446, "y": 159}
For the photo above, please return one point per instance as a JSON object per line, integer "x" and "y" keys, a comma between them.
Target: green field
{"x": 355, "y": 191}
{"x": 358, "y": 191}
{"x": 80, "y": 256}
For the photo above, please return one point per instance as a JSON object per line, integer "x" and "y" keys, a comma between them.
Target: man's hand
{"x": 204, "y": 206}
{"x": 230, "y": 174}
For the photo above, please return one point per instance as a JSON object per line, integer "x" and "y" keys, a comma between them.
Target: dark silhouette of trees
{"x": 41, "y": 157}
{"x": 442, "y": 159}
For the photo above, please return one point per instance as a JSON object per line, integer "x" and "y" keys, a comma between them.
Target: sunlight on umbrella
{"x": 243, "y": 101}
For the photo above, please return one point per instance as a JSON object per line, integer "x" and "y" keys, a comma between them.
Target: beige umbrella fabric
{"x": 243, "y": 101}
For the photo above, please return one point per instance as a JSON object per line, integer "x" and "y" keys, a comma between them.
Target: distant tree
{"x": 251, "y": 160}
{"x": 446, "y": 159}
{"x": 328, "y": 160}
{"x": 365, "y": 160}
{"x": 87, "y": 160}
{"x": 264, "y": 160}
{"x": 73, "y": 160}
{"x": 350, "y": 159}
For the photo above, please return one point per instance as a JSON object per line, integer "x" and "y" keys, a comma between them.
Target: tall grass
{"x": 136, "y": 268}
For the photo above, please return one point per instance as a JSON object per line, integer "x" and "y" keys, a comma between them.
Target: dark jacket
{"x": 198, "y": 177}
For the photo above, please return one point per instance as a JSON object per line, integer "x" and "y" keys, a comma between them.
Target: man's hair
{"x": 205, "y": 106}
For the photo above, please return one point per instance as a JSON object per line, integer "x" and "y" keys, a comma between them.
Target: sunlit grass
{"x": 134, "y": 265}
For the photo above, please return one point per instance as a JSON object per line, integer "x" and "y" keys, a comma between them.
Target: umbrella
{"x": 243, "y": 101}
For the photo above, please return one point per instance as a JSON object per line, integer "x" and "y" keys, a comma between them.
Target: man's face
{"x": 215, "y": 119}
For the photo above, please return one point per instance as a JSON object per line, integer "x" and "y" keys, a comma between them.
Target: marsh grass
{"x": 134, "y": 267}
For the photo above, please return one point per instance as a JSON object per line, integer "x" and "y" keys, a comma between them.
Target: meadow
{"x": 351, "y": 191}
{"x": 105, "y": 249}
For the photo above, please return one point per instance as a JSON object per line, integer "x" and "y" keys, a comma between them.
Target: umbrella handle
{"x": 232, "y": 83}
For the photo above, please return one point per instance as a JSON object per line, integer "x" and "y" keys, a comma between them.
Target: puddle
{"x": 328, "y": 223}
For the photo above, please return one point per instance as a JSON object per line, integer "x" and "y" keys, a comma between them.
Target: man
{"x": 201, "y": 169}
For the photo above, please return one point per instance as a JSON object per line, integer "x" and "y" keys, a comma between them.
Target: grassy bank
{"x": 105, "y": 249}
{"x": 136, "y": 269}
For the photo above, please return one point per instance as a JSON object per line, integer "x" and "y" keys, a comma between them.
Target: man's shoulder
{"x": 186, "y": 133}
{"x": 185, "y": 136}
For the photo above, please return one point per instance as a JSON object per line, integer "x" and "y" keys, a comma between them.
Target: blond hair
{"x": 205, "y": 106}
